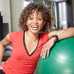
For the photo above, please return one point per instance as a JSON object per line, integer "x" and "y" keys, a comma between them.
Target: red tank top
{"x": 20, "y": 61}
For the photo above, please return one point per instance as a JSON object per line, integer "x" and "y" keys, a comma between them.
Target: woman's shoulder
{"x": 15, "y": 33}
{"x": 43, "y": 38}
{"x": 44, "y": 34}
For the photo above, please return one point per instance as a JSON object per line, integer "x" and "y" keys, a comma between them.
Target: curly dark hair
{"x": 28, "y": 10}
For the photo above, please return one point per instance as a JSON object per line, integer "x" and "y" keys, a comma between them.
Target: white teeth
{"x": 35, "y": 28}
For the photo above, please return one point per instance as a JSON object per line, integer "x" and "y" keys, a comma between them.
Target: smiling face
{"x": 35, "y": 22}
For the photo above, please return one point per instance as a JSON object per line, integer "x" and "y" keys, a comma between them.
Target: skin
{"x": 35, "y": 23}
{"x": 4, "y": 42}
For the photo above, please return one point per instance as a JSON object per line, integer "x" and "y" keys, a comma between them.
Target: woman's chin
{"x": 35, "y": 31}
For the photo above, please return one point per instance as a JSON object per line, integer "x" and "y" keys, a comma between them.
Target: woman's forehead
{"x": 36, "y": 12}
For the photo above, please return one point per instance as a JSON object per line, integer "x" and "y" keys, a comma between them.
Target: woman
{"x": 32, "y": 42}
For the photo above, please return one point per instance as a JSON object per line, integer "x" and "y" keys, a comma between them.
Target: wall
{"x": 16, "y": 7}
{"x": 73, "y": 9}
{"x": 1, "y": 5}
{"x": 11, "y": 10}
{"x": 5, "y": 11}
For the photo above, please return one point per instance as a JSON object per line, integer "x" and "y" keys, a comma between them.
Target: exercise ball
{"x": 60, "y": 59}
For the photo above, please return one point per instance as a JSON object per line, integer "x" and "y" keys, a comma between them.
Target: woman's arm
{"x": 60, "y": 34}
{"x": 47, "y": 46}
{"x": 3, "y": 43}
{"x": 69, "y": 32}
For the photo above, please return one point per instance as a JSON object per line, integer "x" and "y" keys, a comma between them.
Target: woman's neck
{"x": 31, "y": 35}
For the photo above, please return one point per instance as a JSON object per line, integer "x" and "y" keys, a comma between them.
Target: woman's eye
{"x": 31, "y": 18}
{"x": 40, "y": 19}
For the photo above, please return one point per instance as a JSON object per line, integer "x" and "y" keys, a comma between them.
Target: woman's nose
{"x": 35, "y": 21}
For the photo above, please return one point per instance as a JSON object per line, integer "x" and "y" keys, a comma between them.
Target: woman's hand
{"x": 47, "y": 46}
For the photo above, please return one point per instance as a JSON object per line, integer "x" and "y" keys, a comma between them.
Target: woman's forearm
{"x": 3, "y": 43}
{"x": 1, "y": 52}
{"x": 65, "y": 33}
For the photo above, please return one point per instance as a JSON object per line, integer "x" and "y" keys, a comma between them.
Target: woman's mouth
{"x": 34, "y": 27}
